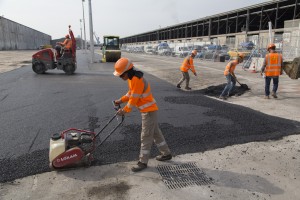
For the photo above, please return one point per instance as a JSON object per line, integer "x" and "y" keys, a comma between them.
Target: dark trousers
{"x": 268, "y": 82}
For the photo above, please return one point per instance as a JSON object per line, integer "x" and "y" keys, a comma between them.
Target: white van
{"x": 149, "y": 49}
{"x": 182, "y": 51}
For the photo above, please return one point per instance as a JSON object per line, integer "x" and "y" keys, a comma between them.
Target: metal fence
{"x": 254, "y": 46}
{"x": 291, "y": 39}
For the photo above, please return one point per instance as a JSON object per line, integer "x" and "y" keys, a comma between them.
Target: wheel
{"x": 69, "y": 69}
{"x": 39, "y": 68}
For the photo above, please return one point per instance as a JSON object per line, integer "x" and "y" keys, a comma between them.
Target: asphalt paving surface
{"x": 33, "y": 107}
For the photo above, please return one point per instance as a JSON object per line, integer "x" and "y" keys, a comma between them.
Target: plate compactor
{"x": 75, "y": 147}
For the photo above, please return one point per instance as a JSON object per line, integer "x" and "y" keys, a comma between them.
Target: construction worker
{"x": 272, "y": 67}
{"x": 139, "y": 95}
{"x": 187, "y": 64}
{"x": 230, "y": 76}
{"x": 67, "y": 44}
{"x": 67, "y": 47}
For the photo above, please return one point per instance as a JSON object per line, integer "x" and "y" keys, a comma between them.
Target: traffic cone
{"x": 253, "y": 69}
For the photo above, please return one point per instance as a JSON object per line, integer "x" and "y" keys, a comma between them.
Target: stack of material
{"x": 292, "y": 68}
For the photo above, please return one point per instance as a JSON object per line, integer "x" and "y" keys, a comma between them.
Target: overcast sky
{"x": 116, "y": 17}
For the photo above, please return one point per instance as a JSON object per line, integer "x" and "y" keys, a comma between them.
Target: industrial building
{"x": 249, "y": 23}
{"x": 15, "y": 36}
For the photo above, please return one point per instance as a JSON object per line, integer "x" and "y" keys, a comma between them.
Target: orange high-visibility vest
{"x": 187, "y": 64}
{"x": 67, "y": 44}
{"x": 139, "y": 95}
{"x": 231, "y": 69}
{"x": 273, "y": 64}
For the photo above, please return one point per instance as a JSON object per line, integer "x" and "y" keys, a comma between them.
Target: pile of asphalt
{"x": 215, "y": 91}
{"x": 247, "y": 126}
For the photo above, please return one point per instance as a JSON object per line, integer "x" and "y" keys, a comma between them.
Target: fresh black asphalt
{"x": 33, "y": 107}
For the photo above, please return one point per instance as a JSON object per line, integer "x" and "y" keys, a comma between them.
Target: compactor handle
{"x": 116, "y": 107}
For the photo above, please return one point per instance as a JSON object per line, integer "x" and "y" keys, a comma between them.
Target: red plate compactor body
{"x": 74, "y": 147}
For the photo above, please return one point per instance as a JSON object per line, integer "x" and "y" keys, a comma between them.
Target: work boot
{"x": 266, "y": 97}
{"x": 178, "y": 86}
{"x": 223, "y": 97}
{"x": 274, "y": 95}
{"x": 164, "y": 158}
{"x": 188, "y": 88}
{"x": 139, "y": 167}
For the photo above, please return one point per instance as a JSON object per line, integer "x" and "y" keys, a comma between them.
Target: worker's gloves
{"x": 121, "y": 112}
{"x": 117, "y": 102}
{"x": 195, "y": 74}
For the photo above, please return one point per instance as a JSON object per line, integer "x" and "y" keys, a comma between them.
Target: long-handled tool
{"x": 245, "y": 86}
{"x": 75, "y": 147}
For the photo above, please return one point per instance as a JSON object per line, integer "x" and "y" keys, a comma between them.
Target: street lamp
{"x": 91, "y": 32}
{"x": 81, "y": 33}
{"x": 85, "y": 45}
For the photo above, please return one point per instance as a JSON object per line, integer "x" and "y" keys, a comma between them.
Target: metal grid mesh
{"x": 183, "y": 175}
{"x": 291, "y": 39}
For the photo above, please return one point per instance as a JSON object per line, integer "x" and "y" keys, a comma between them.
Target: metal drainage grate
{"x": 183, "y": 175}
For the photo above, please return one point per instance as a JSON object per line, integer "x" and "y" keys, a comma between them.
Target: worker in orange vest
{"x": 187, "y": 64}
{"x": 272, "y": 67}
{"x": 139, "y": 95}
{"x": 67, "y": 44}
{"x": 230, "y": 76}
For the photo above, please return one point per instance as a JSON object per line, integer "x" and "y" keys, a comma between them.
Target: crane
{"x": 97, "y": 38}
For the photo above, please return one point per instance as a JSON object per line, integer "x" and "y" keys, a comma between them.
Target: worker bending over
{"x": 230, "y": 76}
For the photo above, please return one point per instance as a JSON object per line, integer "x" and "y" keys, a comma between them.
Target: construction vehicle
{"x": 111, "y": 51}
{"x": 45, "y": 46}
{"x": 49, "y": 58}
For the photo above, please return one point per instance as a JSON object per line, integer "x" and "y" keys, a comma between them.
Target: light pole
{"x": 81, "y": 33}
{"x": 91, "y": 32}
{"x": 85, "y": 46}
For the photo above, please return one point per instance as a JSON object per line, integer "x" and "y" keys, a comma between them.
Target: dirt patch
{"x": 10, "y": 60}
{"x": 111, "y": 191}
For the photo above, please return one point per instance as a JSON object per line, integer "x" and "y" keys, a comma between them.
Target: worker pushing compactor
{"x": 139, "y": 95}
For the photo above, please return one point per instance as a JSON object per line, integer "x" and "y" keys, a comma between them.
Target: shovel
{"x": 244, "y": 86}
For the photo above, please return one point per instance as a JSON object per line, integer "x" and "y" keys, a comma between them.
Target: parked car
{"x": 223, "y": 53}
{"x": 148, "y": 49}
{"x": 164, "y": 51}
{"x": 247, "y": 45}
{"x": 214, "y": 47}
{"x": 139, "y": 49}
{"x": 155, "y": 50}
{"x": 200, "y": 54}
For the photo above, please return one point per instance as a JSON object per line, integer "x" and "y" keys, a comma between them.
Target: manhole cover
{"x": 183, "y": 175}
